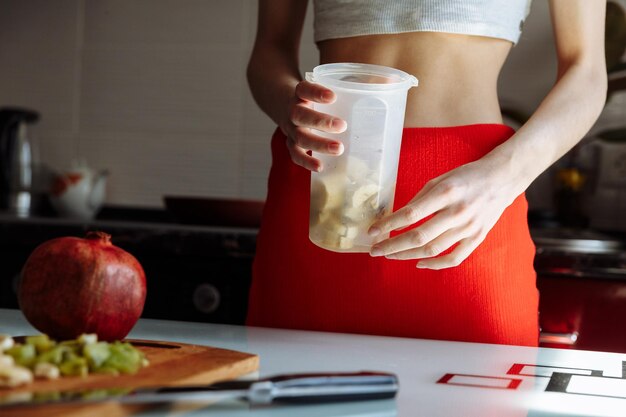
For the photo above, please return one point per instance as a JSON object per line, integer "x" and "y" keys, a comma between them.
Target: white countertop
{"x": 477, "y": 381}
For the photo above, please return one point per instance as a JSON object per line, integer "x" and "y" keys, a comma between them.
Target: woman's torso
{"x": 458, "y": 73}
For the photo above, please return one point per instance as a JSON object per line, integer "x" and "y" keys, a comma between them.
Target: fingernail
{"x": 374, "y": 231}
{"x": 338, "y": 124}
{"x": 376, "y": 252}
{"x": 391, "y": 256}
{"x": 336, "y": 148}
{"x": 327, "y": 95}
{"x": 420, "y": 265}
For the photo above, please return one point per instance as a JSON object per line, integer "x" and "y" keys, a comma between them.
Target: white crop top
{"x": 493, "y": 18}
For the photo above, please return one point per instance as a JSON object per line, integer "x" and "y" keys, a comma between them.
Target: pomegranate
{"x": 71, "y": 286}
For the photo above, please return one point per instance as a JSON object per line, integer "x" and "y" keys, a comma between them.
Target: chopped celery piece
{"x": 41, "y": 342}
{"x": 73, "y": 345}
{"x": 23, "y": 355}
{"x": 76, "y": 366}
{"x": 125, "y": 358}
{"x": 56, "y": 355}
{"x": 76, "y": 357}
{"x": 96, "y": 354}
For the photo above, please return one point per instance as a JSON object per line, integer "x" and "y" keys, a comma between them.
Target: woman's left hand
{"x": 465, "y": 203}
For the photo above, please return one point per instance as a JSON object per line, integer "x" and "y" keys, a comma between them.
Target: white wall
{"x": 155, "y": 90}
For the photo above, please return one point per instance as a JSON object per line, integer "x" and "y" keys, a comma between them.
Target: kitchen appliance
{"x": 17, "y": 161}
{"x": 607, "y": 199}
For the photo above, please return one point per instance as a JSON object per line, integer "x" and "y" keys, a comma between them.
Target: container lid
{"x": 365, "y": 77}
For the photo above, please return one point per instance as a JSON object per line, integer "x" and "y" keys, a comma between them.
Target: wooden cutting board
{"x": 170, "y": 364}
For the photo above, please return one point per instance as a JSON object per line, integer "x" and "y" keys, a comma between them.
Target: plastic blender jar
{"x": 357, "y": 188}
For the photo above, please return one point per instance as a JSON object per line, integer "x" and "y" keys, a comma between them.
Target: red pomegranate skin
{"x": 71, "y": 286}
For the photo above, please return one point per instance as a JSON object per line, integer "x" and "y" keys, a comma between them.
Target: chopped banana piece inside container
{"x": 344, "y": 207}
{"x": 357, "y": 169}
{"x": 365, "y": 195}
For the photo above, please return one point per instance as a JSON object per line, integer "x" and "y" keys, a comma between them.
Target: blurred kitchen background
{"x": 139, "y": 122}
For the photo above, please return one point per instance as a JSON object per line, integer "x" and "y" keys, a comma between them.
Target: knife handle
{"x": 324, "y": 387}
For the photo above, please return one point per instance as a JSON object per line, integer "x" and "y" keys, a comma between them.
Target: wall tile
{"x": 155, "y": 90}
{"x": 254, "y": 120}
{"x": 57, "y": 149}
{"x": 309, "y": 55}
{"x": 146, "y": 166}
{"x": 184, "y": 89}
{"x": 530, "y": 70}
{"x": 47, "y": 22}
{"x": 163, "y": 22}
{"x": 42, "y": 78}
{"x": 255, "y": 166}
{"x": 38, "y": 58}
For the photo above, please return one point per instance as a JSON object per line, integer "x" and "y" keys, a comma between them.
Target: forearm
{"x": 273, "y": 89}
{"x": 563, "y": 118}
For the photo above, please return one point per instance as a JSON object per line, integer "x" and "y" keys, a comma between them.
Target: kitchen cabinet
{"x": 194, "y": 273}
{"x": 590, "y": 309}
{"x": 437, "y": 378}
{"x": 581, "y": 277}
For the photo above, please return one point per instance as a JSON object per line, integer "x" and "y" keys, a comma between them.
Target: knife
{"x": 290, "y": 388}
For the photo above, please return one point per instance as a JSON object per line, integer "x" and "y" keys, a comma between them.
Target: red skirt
{"x": 491, "y": 297}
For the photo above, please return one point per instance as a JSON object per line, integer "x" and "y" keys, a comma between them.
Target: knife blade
{"x": 289, "y": 388}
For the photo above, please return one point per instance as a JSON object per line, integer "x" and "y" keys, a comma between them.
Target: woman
{"x": 459, "y": 210}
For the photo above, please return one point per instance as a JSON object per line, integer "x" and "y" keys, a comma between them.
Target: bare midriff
{"x": 457, "y": 74}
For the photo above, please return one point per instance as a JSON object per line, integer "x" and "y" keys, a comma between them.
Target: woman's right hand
{"x": 301, "y": 118}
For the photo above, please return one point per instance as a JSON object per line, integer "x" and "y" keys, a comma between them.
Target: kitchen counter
{"x": 437, "y": 378}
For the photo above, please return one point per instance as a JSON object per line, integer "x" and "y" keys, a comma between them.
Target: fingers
{"x": 302, "y": 140}
{"x": 407, "y": 215}
{"x": 300, "y": 157}
{"x": 463, "y": 250}
{"x": 454, "y": 258}
{"x": 432, "y": 248}
{"x": 304, "y": 116}
{"x": 429, "y": 239}
{"x": 432, "y": 198}
{"x": 314, "y": 92}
